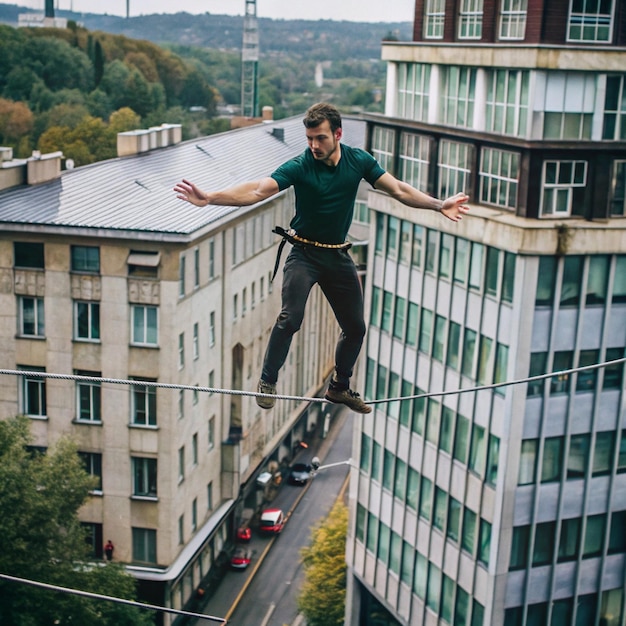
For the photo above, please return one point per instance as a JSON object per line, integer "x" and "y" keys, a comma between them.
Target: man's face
{"x": 323, "y": 143}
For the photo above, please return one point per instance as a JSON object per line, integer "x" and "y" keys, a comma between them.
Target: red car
{"x": 244, "y": 534}
{"x": 240, "y": 558}
{"x": 272, "y": 521}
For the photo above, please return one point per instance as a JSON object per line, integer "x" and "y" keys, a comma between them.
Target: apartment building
{"x": 107, "y": 277}
{"x": 504, "y": 506}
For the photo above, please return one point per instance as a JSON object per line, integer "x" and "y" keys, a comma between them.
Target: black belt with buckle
{"x": 293, "y": 238}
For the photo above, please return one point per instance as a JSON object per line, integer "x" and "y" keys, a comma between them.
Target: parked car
{"x": 240, "y": 558}
{"x": 244, "y": 534}
{"x": 299, "y": 474}
{"x": 272, "y": 521}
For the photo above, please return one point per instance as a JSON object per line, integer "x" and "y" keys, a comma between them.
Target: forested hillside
{"x": 74, "y": 89}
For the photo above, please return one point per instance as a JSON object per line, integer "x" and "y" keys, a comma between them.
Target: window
{"x": 560, "y": 179}
{"x": 572, "y": 273}
{"x": 508, "y": 277}
{"x": 413, "y": 97}
{"x": 615, "y": 110}
{"x": 484, "y": 545}
{"x": 543, "y": 548}
{"x": 433, "y": 421}
{"x": 562, "y": 363}
{"x": 500, "y": 367}
{"x": 28, "y": 255}
{"x": 590, "y": 21}
{"x": 211, "y": 259}
{"x": 194, "y": 448}
{"x": 196, "y": 268}
{"x": 454, "y": 519}
{"x": 454, "y": 340}
{"x": 611, "y": 607}
{"x": 412, "y": 488}
{"x": 426, "y": 498}
{"x": 613, "y": 374}
{"x": 447, "y": 429}
{"x": 383, "y": 542}
{"x": 144, "y": 477}
{"x": 537, "y": 367}
{"x": 383, "y": 140}
{"x": 569, "y": 100}
{"x": 406, "y": 573}
{"x": 426, "y": 331}
{"x": 418, "y": 237}
{"x": 594, "y": 535}
{"x": 617, "y": 536}
{"x": 552, "y": 459}
{"x": 433, "y": 593}
{"x": 507, "y": 108}
{"x": 578, "y": 458}
{"x": 399, "y": 318}
{"x": 412, "y": 323}
{"x": 569, "y": 540}
{"x": 457, "y": 108}
{"x": 181, "y": 464}
{"x": 432, "y": 238}
{"x": 546, "y": 277}
{"x": 445, "y": 255}
{"x": 513, "y": 19}
{"x": 618, "y": 188}
{"x": 181, "y": 404}
{"x": 88, "y": 398}
{"x": 143, "y": 405}
{"x": 440, "y": 509}
{"x": 519, "y": 548}
{"x": 211, "y": 329}
{"x": 92, "y": 462}
{"x": 461, "y": 260}
{"x": 476, "y": 266}
{"x": 194, "y": 515}
{"x": 196, "y": 341}
{"x": 528, "y": 462}
{"x": 434, "y": 16}
{"x": 145, "y": 329}
{"x": 461, "y": 439}
{"x": 376, "y": 454}
{"x": 492, "y": 460}
{"x": 586, "y": 379}
{"x": 478, "y": 450}
{"x": 181, "y": 351}
{"x": 209, "y": 496}
{"x": 469, "y": 348}
{"x": 85, "y": 259}
{"x": 181, "y": 276}
{"x": 388, "y": 467}
{"x": 468, "y": 534}
{"x": 484, "y": 360}
{"x": 211, "y": 433}
{"x": 439, "y": 339}
{"x": 414, "y": 159}
{"x": 87, "y": 321}
{"x": 603, "y": 453}
{"x": 31, "y": 317}
{"x": 144, "y": 545}
{"x": 461, "y": 607}
{"x": 421, "y": 575}
{"x": 471, "y": 19}
{"x": 33, "y": 393}
{"x": 499, "y": 177}
{"x": 597, "y": 280}
{"x": 454, "y": 167}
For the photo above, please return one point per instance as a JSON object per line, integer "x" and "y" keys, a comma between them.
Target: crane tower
{"x": 250, "y": 62}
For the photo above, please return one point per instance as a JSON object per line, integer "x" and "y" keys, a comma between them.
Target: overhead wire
{"x": 100, "y": 596}
{"x": 239, "y": 392}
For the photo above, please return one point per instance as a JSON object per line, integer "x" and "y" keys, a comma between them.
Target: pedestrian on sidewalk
{"x": 325, "y": 178}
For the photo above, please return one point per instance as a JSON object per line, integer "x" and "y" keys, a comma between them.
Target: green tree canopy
{"x": 323, "y": 596}
{"x": 40, "y": 494}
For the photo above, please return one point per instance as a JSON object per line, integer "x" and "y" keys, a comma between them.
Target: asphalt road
{"x": 266, "y": 595}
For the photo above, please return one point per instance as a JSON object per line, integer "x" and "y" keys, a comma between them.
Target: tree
{"x": 16, "y": 120}
{"x": 42, "y": 539}
{"x": 323, "y": 595}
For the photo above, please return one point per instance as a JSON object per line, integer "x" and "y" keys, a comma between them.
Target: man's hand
{"x": 454, "y": 208}
{"x": 190, "y": 193}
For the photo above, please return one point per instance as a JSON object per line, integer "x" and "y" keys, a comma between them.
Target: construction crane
{"x": 250, "y": 62}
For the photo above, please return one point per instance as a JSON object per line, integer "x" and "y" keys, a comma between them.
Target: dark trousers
{"x": 336, "y": 275}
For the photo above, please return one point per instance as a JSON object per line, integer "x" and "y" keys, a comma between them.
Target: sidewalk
{"x": 225, "y": 593}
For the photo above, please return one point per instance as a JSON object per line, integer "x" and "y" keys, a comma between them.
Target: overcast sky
{"x": 353, "y": 10}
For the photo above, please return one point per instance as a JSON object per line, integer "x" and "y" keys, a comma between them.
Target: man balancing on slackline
{"x": 325, "y": 178}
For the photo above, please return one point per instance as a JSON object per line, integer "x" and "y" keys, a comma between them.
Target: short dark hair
{"x": 320, "y": 112}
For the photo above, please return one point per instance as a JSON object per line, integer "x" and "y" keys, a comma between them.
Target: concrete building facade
{"x": 504, "y": 506}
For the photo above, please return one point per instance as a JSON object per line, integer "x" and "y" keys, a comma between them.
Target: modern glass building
{"x": 504, "y": 506}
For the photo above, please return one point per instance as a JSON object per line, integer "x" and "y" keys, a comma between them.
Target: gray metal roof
{"x": 135, "y": 193}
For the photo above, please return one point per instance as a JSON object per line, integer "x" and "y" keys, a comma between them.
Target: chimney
{"x": 279, "y": 133}
{"x": 267, "y": 114}
{"x": 41, "y": 168}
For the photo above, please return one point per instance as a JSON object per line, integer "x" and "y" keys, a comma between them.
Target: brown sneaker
{"x": 269, "y": 389}
{"x": 348, "y": 397}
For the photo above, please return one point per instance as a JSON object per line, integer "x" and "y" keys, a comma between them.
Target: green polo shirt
{"x": 325, "y": 195}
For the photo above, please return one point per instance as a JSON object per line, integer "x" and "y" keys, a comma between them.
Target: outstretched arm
{"x": 239, "y": 195}
{"x": 453, "y": 208}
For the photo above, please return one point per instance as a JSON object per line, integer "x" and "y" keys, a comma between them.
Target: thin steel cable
{"x": 99, "y": 596}
{"x": 237, "y": 392}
